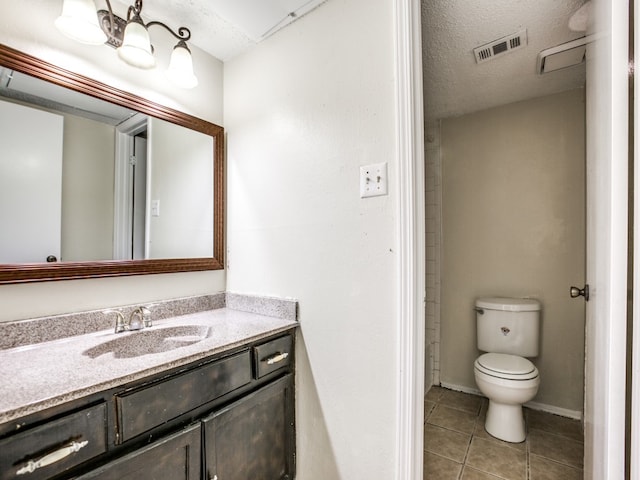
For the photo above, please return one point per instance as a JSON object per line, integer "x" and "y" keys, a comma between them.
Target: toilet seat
{"x": 508, "y": 367}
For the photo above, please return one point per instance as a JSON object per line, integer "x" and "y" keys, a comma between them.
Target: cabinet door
{"x": 253, "y": 438}
{"x": 176, "y": 457}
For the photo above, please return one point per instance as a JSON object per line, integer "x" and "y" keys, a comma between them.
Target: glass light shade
{"x": 180, "y": 70}
{"x": 136, "y": 45}
{"x": 79, "y": 21}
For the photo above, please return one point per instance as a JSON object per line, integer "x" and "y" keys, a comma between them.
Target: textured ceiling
{"x": 454, "y": 83}
{"x": 451, "y": 29}
{"x": 223, "y": 28}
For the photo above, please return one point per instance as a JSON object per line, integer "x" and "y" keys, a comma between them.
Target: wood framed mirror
{"x": 36, "y": 271}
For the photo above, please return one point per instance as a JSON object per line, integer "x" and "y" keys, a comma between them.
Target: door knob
{"x": 576, "y": 292}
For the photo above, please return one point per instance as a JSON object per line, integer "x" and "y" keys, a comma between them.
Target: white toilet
{"x": 509, "y": 330}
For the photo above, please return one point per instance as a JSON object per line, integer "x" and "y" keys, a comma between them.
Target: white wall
{"x": 181, "y": 173}
{"x": 87, "y": 190}
{"x": 513, "y": 216}
{"x": 303, "y": 111}
{"x": 28, "y": 26}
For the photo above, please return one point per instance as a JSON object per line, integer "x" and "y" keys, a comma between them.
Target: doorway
{"x": 130, "y": 211}
{"x": 606, "y": 143}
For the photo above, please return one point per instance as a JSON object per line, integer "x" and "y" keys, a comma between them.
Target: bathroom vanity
{"x": 216, "y": 404}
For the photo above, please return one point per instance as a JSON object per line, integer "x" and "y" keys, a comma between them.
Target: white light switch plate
{"x": 373, "y": 180}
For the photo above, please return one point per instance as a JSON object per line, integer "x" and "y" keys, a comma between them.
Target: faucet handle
{"x": 121, "y": 325}
{"x": 146, "y": 317}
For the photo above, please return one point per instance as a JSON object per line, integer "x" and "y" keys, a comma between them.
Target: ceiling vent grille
{"x": 503, "y": 45}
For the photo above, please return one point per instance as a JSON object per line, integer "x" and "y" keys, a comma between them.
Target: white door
{"x": 30, "y": 184}
{"x": 606, "y": 242}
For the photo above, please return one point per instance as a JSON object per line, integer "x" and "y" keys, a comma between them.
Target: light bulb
{"x": 79, "y": 21}
{"x": 136, "y": 45}
{"x": 180, "y": 70}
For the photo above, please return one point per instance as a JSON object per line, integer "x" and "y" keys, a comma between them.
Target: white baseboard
{"x": 563, "y": 412}
{"x": 459, "y": 388}
{"x": 543, "y": 407}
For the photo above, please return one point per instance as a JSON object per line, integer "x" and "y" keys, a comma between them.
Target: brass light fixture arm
{"x": 114, "y": 26}
{"x": 136, "y": 9}
{"x": 183, "y": 34}
{"x": 111, "y": 20}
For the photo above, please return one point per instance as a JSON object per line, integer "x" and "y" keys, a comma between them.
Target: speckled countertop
{"x": 42, "y": 375}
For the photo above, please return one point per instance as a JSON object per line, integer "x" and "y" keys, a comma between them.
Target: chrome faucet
{"x": 140, "y": 318}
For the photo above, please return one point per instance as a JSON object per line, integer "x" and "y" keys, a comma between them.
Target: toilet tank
{"x": 508, "y": 325}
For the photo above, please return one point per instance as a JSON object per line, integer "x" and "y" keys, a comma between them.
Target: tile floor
{"x": 458, "y": 448}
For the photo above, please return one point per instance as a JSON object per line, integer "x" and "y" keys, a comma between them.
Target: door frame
{"x": 123, "y": 185}
{"x": 410, "y": 234}
{"x": 634, "y": 447}
{"x": 607, "y": 225}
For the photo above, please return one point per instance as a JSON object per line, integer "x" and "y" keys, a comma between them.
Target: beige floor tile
{"x": 555, "y": 447}
{"x": 434, "y": 394}
{"x": 480, "y": 432}
{"x": 499, "y": 460}
{"x": 447, "y": 443}
{"x": 458, "y": 420}
{"x": 543, "y": 469}
{"x": 484, "y": 406}
{"x": 457, "y": 446}
{"x": 472, "y": 474}
{"x": 461, "y": 401}
{"x": 555, "y": 424}
{"x": 440, "y": 468}
{"x": 428, "y": 408}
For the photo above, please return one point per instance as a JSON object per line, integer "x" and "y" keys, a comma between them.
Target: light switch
{"x": 373, "y": 180}
{"x": 155, "y": 208}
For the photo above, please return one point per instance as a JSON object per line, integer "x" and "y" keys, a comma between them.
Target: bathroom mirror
{"x": 191, "y": 186}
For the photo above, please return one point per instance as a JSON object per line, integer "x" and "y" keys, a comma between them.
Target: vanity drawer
{"x": 147, "y": 407}
{"x": 57, "y": 445}
{"x": 175, "y": 456}
{"x": 272, "y": 356}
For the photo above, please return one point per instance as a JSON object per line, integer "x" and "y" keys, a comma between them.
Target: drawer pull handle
{"x": 52, "y": 457}
{"x": 277, "y": 358}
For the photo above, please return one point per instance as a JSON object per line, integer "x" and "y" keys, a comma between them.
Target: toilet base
{"x": 505, "y": 422}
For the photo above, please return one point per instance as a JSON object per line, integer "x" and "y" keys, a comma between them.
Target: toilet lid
{"x": 507, "y": 366}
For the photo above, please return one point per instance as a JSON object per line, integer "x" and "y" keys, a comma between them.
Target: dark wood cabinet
{"x": 254, "y": 437}
{"x": 146, "y": 407}
{"x": 54, "y": 447}
{"x": 176, "y": 457}
{"x": 229, "y": 416}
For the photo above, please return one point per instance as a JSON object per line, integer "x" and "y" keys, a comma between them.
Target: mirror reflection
{"x": 84, "y": 180}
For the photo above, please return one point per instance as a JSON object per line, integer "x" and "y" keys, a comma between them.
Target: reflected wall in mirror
{"x": 102, "y": 182}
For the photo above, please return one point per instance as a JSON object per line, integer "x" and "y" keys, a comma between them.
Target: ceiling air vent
{"x": 499, "y": 47}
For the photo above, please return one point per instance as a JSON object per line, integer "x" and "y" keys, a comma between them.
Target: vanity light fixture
{"x": 82, "y": 22}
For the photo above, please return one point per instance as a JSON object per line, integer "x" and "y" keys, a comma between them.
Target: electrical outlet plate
{"x": 373, "y": 180}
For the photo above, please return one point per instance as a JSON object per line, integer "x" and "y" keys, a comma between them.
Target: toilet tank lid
{"x": 509, "y": 304}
